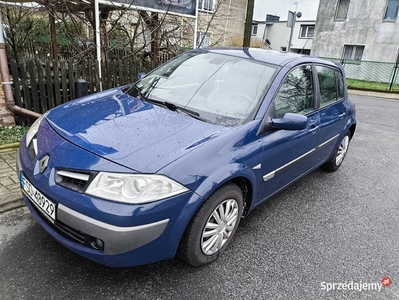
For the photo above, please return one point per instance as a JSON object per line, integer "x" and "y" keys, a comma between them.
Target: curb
{"x": 9, "y": 146}
{"x": 10, "y": 202}
{"x": 391, "y": 96}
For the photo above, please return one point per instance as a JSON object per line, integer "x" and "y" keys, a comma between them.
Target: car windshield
{"x": 223, "y": 90}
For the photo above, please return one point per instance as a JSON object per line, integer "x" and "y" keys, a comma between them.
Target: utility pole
{"x": 248, "y": 23}
{"x": 291, "y": 23}
{"x": 53, "y": 35}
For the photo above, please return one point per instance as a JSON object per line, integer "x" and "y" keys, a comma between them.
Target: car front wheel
{"x": 335, "y": 162}
{"x": 213, "y": 226}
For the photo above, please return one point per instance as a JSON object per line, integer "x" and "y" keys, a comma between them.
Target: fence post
{"x": 80, "y": 88}
{"x": 395, "y": 70}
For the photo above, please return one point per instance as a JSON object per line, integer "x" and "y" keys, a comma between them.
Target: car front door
{"x": 287, "y": 154}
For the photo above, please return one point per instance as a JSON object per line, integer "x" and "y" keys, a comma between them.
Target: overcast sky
{"x": 308, "y": 8}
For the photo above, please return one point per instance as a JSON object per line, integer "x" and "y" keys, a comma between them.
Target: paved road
{"x": 339, "y": 227}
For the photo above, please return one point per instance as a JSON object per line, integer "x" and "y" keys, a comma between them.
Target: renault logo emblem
{"x": 43, "y": 163}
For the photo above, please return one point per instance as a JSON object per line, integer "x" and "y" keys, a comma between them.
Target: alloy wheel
{"x": 342, "y": 149}
{"x": 219, "y": 227}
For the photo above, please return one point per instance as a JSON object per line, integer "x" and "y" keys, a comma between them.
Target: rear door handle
{"x": 342, "y": 115}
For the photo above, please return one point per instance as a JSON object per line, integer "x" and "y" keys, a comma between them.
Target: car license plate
{"x": 45, "y": 205}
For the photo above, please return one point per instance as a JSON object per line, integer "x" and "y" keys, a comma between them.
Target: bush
{"x": 12, "y": 134}
{"x": 237, "y": 41}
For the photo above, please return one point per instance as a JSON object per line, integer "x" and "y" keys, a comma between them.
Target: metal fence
{"x": 384, "y": 73}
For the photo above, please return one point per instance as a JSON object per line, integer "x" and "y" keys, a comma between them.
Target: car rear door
{"x": 287, "y": 154}
{"x": 332, "y": 111}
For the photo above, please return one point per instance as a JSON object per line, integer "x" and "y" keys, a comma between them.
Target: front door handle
{"x": 342, "y": 115}
{"x": 313, "y": 130}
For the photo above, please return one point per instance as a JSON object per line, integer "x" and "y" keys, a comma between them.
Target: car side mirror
{"x": 290, "y": 121}
{"x": 141, "y": 76}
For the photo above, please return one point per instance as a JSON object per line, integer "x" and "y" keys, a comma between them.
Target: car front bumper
{"x": 117, "y": 240}
{"x": 131, "y": 234}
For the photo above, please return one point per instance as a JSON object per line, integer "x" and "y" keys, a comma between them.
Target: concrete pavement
{"x": 10, "y": 194}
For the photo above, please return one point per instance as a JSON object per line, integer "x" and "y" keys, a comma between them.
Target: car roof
{"x": 268, "y": 56}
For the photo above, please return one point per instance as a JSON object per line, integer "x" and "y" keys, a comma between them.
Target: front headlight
{"x": 133, "y": 188}
{"x": 33, "y": 130}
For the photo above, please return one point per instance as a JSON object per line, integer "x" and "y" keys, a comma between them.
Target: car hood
{"x": 130, "y": 132}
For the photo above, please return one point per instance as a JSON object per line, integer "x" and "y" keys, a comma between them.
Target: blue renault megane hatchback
{"x": 171, "y": 163}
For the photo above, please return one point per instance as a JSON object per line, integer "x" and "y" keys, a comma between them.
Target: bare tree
{"x": 123, "y": 30}
{"x": 23, "y": 28}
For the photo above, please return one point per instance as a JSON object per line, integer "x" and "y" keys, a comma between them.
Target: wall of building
{"x": 364, "y": 26}
{"x": 279, "y": 34}
{"x": 226, "y": 21}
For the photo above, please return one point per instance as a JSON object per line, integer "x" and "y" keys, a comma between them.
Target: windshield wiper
{"x": 191, "y": 113}
{"x": 179, "y": 109}
{"x": 171, "y": 106}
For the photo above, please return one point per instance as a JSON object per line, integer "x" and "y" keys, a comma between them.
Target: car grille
{"x": 31, "y": 149}
{"x": 71, "y": 232}
{"x": 74, "y": 180}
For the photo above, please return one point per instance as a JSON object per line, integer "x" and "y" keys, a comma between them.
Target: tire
{"x": 206, "y": 238}
{"x": 335, "y": 162}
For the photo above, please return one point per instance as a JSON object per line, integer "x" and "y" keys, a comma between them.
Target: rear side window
{"x": 331, "y": 85}
{"x": 340, "y": 83}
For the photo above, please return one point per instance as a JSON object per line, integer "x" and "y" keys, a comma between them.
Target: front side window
{"x": 342, "y": 10}
{"x": 223, "y": 90}
{"x": 331, "y": 85}
{"x": 307, "y": 31}
{"x": 296, "y": 94}
{"x": 391, "y": 12}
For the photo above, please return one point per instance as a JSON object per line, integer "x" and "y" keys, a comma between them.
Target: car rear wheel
{"x": 335, "y": 162}
{"x": 213, "y": 226}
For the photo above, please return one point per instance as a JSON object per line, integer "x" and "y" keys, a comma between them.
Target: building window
{"x": 254, "y": 29}
{"x": 392, "y": 10}
{"x": 307, "y": 31}
{"x": 353, "y": 52}
{"x": 207, "y": 5}
{"x": 342, "y": 10}
{"x": 205, "y": 38}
